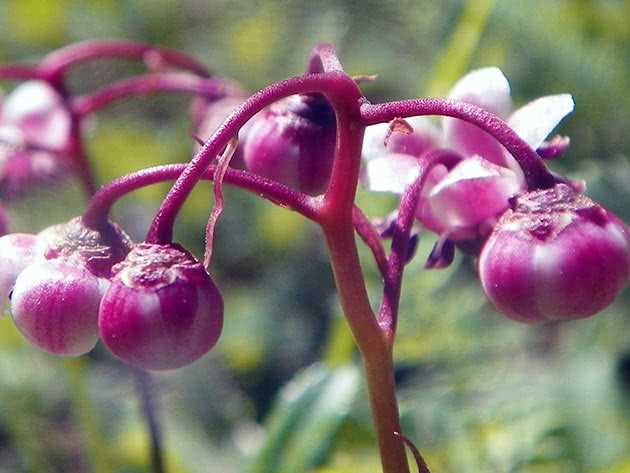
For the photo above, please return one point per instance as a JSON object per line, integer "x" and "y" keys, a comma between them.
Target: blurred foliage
{"x": 478, "y": 393}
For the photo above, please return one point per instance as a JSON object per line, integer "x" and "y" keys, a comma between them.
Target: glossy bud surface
{"x": 555, "y": 255}
{"x": 55, "y": 306}
{"x": 162, "y": 310}
{"x": 293, "y": 142}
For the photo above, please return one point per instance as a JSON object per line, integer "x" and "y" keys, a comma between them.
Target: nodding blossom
{"x": 555, "y": 255}
{"x": 293, "y": 142}
{"x": 462, "y": 202}
{"x": 162, "y": 310}
{"x": 34, "y": 135}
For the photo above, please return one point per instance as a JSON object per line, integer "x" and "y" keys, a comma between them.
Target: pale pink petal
{"x": 38, "y": 111}
{"x": 534, "y": 121}
{"x": 473, "y": 192}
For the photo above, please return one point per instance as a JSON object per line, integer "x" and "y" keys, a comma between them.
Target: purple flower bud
{"x": 162, "y": 310}
{"x": 55, "y": 304}
{"x": 17, "y": 251}
{"x": 555, "y": 255}
{"x": 293, "y": 142}
{"x": 96, "y": 250}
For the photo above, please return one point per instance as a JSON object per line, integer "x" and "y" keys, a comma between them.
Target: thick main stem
{"x": 376, "y": 351}
{"x": 337, "y": 222}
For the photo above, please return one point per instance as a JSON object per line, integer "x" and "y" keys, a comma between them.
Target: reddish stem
{"x": 333, "y": 85}
{"x": 147, "y": 84}
{"x": 536, "y": 173}
{"x": 388, "y": 313}
{"x": 20, "y": 72}
{"x": 324, "y": 58}
{"x": 58, "y": 62}
{"x": 371, "y": 238}
{"x": 97, "y": 211}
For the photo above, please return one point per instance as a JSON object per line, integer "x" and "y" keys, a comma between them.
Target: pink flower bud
{"x": 17, "y": 251}
{"x": 96, "y": 250}
{"x": 162, "y": 310}
{"x": 293, "y": 142}
{"x": 55, "y": 306}
{"x": 35, "y": 129}
{"x": 555, "y": 255}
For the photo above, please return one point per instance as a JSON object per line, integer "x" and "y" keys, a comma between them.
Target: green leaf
{"x": 306, "y": 418}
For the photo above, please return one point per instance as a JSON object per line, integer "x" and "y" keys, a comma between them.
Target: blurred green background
{"x": 282, "y": 391}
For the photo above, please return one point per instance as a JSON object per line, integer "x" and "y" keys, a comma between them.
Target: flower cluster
{"x": 462, "y": 202}
{"x": 153, "y": 305}
{"x": 545, "y": 251}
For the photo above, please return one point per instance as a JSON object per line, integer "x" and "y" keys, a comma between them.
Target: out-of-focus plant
{"x": 545, "y": 251}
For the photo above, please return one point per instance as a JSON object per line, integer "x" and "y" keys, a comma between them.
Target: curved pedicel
{"x": 536, "y": 173}
{"x": 20, "y": 72}
{"x": 388, "y": 312}
{"x": 338, "y": 88}
{"x": 145, "y": 84}
{"x": 97, "y": 212}
{"x": 56, "y": 63}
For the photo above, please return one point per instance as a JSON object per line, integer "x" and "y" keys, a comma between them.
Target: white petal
{"x": 425, "y": 136}
{"x": 373, "y": 142}
{"x": 534, "y": 121}
{"x": 29, "y": 98}
{"x": 392, "y": 173}
{"x": 487, "y": 87}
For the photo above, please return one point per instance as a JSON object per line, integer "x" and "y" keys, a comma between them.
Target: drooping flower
{"x": 55, "y": 303}
{"x": 57, "y": 279}
{"x": 293, "y": 142}
{"x": 555, "y": 255}
{"x": 463, "y": 201}
{"x": 34, "y": 134}
{"x": 162, "y": 310}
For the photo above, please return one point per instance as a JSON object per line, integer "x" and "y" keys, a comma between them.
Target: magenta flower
{"x": 55, "y": 304}
{"x": 34, "y": 134}
{"x": 55, "y": 281}
{"x": 293, "y": 142}
{"x": 162, "y": 310}
{"x": 462, "y": 202}
{"x": 555, "y": 255}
